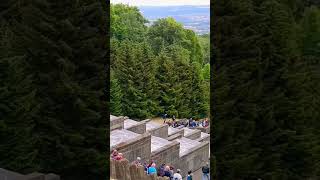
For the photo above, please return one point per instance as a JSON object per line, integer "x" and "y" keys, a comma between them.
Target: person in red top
{"x": 119, "y": 157}
{"x": 114, "y": 154}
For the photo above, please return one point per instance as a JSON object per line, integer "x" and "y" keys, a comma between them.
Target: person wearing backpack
{"x": 189, "y": 177}
{"x": 205, "y": 172}
{"x": 152, "y": 169}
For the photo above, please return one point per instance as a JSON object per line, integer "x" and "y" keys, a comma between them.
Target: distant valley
{"x": 196, "y": 18}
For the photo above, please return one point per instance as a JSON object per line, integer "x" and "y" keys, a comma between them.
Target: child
{"x": 189, "y": 177}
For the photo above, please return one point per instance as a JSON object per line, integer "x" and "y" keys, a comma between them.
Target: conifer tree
{"x": 115, "y": 96}
{"x": 63, "y": 60}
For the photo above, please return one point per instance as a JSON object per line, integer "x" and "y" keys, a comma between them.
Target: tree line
{"x": 52, "y": 81}
{"x": 159, "y": 69}
{"x": 266, "y": 93}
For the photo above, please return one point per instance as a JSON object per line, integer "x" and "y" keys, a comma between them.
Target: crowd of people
{"x": 164, "y": 170}
{"x": 186, "y": 123}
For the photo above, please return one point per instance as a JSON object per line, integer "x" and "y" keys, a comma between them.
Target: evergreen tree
{"x": 115, "y": 96}
{"x": 257, "y": 132}
{"x": 57, "y": 48}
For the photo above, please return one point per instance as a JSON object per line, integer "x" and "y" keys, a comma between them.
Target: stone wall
{"x": 194, "y": 135}
{"x": 179, "y": 131}
{"x": 117, "y": 123}
{"x": 168, "y": 154}
{"x": 194, "y": 159}
{"x": 139, "y": 128}
{"x": 123, "y": 170}
{"x": 161, "y": 131}
{"x": 204, "y": 129}
{"x": 10, "y": 175}
{"x": 204, "y": 139}
{"x": 174, "y": 136}
{"x": 138, "y": 147}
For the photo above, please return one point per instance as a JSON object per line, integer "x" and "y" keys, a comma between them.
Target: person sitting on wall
{"x": 137, "y": 162}
{"x": 114, "y": 154}
{"x": 152, "y": 169}
{"x": 119, "y": 157}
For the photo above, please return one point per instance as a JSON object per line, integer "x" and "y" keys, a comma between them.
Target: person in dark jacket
{"x": 161, "y": 170}
{"x": 205, "y": 172}
{"x": 167, "y": 172}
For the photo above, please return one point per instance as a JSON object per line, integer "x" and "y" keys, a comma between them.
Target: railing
{"x": 123, "y": 170}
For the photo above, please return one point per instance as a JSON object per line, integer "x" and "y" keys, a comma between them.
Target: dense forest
{"x": 266, "y": 89}
{"x": 159, "y": 69}
{"x": 52, "y": 80}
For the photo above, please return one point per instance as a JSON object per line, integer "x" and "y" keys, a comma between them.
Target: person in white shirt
{"x": 177, "y": 175}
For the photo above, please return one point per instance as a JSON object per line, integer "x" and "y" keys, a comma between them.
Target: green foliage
{"x": 127, "y": 23}
{"x": 115, "y": 96}
{"x": 266, "y": 89}
{"x": 52, "y": 84}
{"x": 204, "y": 41}
{"x": 157, "y": 75}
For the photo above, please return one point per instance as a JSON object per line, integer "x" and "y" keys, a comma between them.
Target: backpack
{"x": 189, "y": 177}
{"x": 205, "y": 169}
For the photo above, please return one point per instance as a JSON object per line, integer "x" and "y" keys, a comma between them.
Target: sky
{"x": 161, "y": 2}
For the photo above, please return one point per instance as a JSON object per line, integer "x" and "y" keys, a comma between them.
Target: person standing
{"x": 161, "y": 170}
{"x": 137, "y": 162}
{"x": 177, "y": 175}
{"x": 189, "y": 176}
{"x": 205, "y": 172}
{"x": 167, "y": 172}
{"x": 152, "y": 169}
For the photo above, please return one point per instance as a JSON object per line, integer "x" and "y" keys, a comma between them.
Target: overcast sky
{"x": 161, "y": 2}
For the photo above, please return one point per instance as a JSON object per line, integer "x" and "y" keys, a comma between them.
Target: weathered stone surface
{"x": 52, "y": 176}
{"x": 116, "y": 122}
{"x": 6, "y": 174}
{"x": 204, "y": 137}
{"x": 121, "y": 136}
{"x": 204, "y": 129}
{"x": 157, "y": 129}
{"x": 194, "y": 159}
{"x": 35, "y": 176}
{"x": 10, "y": 175}
{"x": 192, "y": 133}
{"x": 174, "y": 137}
{"x": 138, "y": 146}
{"x": 135, "y": 126}
{"x": 127, "y": 171}
{"x": 190, "y": 152}
{"x": 167, "y": 153}
{"x": 173, "y": 131}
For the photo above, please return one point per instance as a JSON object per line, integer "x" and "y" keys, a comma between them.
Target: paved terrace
{"x": 186, "y": 144}
{"x": 121, "y": 136}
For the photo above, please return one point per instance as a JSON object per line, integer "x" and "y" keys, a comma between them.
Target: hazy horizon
{"x": 163, "y": 2}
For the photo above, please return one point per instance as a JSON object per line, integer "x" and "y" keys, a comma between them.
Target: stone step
{"x": 164, "y": 151}
{"x": 193, "y": 155}
{"x": 192, "y": 133}
{"x": 135, "y": 126}
{"x": 131, "y": 144}
{"x": 158, "y": 130}
{"x": 116, "y": 122}
{"x": 204, "y": 137}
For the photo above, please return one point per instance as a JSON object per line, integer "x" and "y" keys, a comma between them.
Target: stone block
{"x": 116, "y": 122}
{"x": 159, "y": 130}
